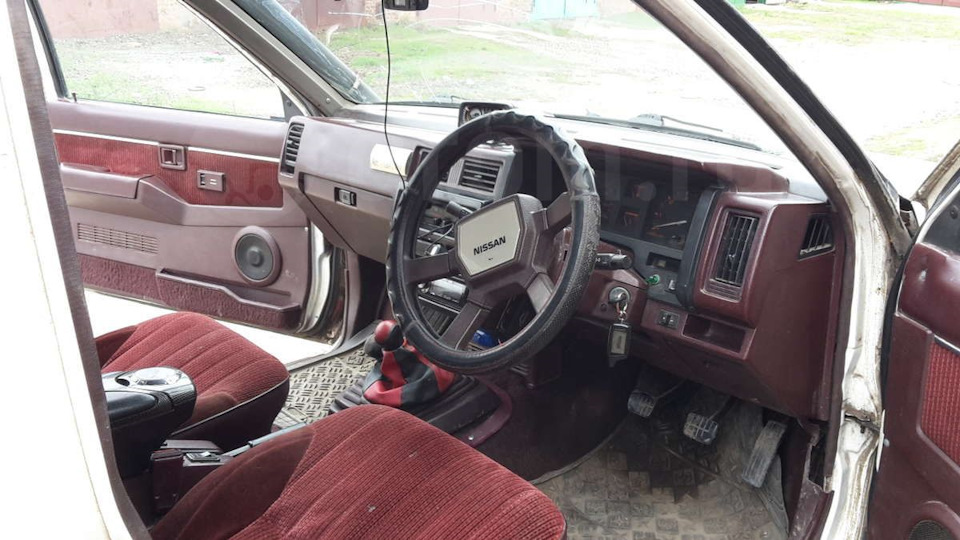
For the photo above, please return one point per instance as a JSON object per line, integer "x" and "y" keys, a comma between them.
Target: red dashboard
{"x": 736, "y": 268}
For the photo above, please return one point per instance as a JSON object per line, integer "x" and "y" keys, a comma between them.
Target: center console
{"x": 145, "y": 406}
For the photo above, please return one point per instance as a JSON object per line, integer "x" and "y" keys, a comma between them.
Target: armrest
{"x": 145, "y": 406}
{"x": 99, "y": 180}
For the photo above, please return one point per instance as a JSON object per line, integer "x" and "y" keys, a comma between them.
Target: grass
{"x": 929, "y": 140}
{"x": 435, "y": 56}
{"x": 590, "y": 62}
{"x": 851, "y": 22}
{"x": 178, "y": 70}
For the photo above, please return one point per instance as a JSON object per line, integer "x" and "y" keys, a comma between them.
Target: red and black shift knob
{"x": 388, "y": 335}
{"x": 403, "y": 377}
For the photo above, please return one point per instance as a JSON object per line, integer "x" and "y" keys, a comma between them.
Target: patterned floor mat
{"x": 313, "y": 388}
{"x": 647, "y": 483}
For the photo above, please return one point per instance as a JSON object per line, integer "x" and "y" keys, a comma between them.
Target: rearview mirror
{"x": 406, "y": 5}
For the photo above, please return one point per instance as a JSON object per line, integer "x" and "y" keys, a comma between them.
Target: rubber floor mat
{"x": 314, "y": 387}
{"x": 650, "y": 482}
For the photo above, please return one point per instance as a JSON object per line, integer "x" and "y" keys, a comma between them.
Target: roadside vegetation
{"x": 884, "y": 68}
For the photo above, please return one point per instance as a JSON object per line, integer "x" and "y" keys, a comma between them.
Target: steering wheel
{"x": 502, "y": 250}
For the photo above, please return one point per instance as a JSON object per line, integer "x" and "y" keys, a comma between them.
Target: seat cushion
{"x": 367, "y": 472}
{"x": 233, "y": 377}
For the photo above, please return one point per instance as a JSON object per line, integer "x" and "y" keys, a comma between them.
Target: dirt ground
{"x": 886, "y": 70}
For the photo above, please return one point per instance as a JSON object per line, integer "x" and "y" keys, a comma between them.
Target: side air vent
{"x": 735, "y": 247}
{"x": 819, "y": 237}
{"x": 480, "y": 174}
{"x": 115, "y": 238}
{"x": 291, "y": 148}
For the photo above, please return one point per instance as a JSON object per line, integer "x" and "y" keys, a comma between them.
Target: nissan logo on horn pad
{"x": 490, "y": 245}
{"x": 489, "y": 238}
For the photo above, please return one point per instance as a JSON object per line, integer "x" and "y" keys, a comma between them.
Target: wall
{"x": 99, "y": 18}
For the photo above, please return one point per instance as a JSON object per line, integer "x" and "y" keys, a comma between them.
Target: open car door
{"x": 169, "y": 142}
{"x": 916, "y": 493}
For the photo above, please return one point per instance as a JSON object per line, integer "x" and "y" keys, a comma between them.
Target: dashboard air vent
{"x": 735, "y": 247}
{"x": 291, "y": 148}
{"x": 819, "y": 237}
{"x": 480, "y": 174}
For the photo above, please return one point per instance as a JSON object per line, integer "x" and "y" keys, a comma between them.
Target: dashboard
{"x": 654, "y": 211}
{"x": 730, "y": 283}
{"x": 657, "y": 216}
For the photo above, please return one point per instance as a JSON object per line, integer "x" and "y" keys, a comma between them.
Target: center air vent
{"x": 819, "y": 237}
{"x": 480, "y": 174}
{"x": 291, "y": 148}
{"x": 735, "y": 246}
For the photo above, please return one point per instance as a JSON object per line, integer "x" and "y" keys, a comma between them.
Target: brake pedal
{"x": 703, "y": 421}
{"x": 764, "y": 450}
{"x": 653, "y": 388}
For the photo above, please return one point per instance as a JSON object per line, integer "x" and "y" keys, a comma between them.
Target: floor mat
{"x": 647, "y": 482}
{"x": 313, "y": 388}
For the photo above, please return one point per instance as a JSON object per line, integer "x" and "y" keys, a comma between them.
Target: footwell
{"x": 650, "y": 482}
{"x": 313, "y": 388}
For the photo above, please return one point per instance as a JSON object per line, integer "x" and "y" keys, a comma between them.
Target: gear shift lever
{"x": 402, "y": 378}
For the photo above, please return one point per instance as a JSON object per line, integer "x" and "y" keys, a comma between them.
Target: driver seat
{"x": 367, "y": 472}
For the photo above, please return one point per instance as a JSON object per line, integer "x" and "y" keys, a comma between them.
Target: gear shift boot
{"x": 402, "y": 378}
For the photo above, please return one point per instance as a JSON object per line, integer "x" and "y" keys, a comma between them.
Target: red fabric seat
{"x": 368, "y": 472}
{"x": 240, "y": 388}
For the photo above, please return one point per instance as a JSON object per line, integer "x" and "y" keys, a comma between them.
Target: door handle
{"x": 173, "y": 157}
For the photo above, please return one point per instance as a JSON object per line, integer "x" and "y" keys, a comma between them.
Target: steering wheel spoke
{"x": 461, "y": 329}
{"x": 540, "y": 290}
{"x": 557, "y": 215}
{"x": 430, "y": 268}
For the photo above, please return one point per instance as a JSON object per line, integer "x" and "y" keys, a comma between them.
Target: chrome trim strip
{"x": 200, "y": 149}
{"x": 232, "y": 154}
{"x": 946, "y": 345}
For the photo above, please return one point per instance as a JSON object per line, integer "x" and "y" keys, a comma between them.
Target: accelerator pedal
{"x": 764, "y": 450}
{"x": 654, "y": 387}
{"x": 705, "y": 411}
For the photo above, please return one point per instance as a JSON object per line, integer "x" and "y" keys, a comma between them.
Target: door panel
{"x": 150, "y": 232}
{"x": 253, "y": 182}
{"x": 919, "y": 476}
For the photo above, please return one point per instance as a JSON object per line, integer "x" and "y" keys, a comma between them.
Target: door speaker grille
{"x": 930, "y": 530}
{"x": 117, "y": 238}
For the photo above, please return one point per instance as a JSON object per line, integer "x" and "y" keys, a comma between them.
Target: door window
{"x": 158, "y": 54}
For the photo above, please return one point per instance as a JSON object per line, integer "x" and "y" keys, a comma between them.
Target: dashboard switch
{"x": 345, "y": 196}
{"x": 668, "y": 319}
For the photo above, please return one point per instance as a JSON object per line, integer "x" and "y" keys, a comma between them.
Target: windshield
{"x": 881, "y": 68}
{"x": 585, "y": 59}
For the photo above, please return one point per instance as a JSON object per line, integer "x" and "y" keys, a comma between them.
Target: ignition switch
{"x": 619, "y": 296}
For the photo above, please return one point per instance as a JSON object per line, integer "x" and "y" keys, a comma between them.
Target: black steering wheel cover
{"x": 585, "y": 222}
